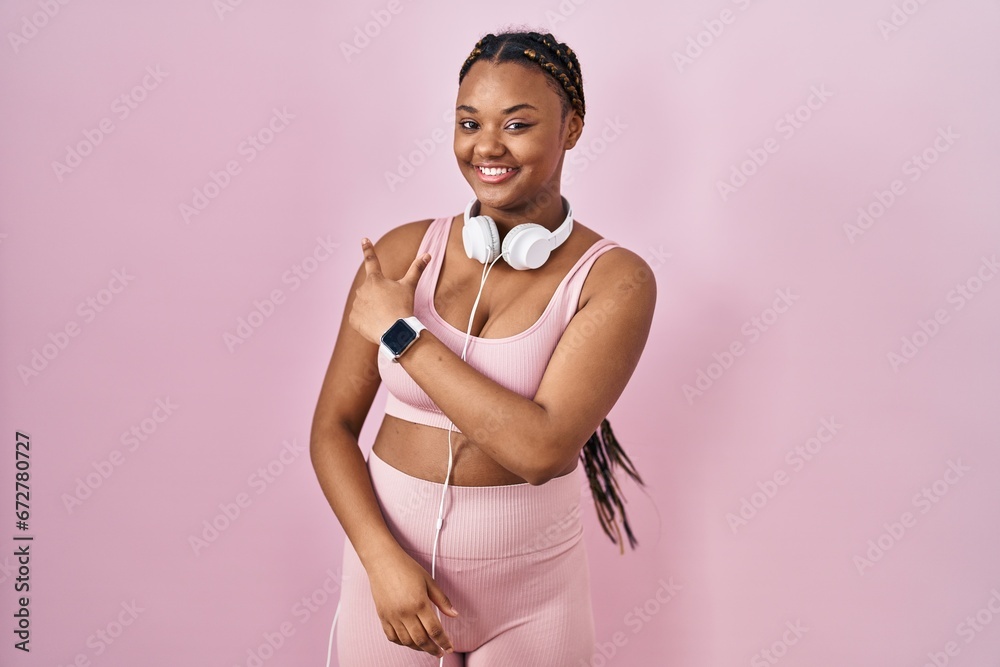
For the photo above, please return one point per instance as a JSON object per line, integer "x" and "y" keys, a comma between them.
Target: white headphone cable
{"x": 329, "y": 648}
{"x": 468, "y": 333}
{"x": 440, "y": 519}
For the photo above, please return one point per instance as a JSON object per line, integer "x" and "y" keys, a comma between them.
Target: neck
{"x": 550, "y": 215}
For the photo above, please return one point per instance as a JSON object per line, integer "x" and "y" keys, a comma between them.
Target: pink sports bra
{"x": 516, "y": 362}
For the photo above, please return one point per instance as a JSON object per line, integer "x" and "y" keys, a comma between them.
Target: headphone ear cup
{"x": 481, "y": 239}
{"x": 527, "y": 246}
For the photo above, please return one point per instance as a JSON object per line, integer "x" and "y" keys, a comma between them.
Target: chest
{"x": 503, "y": 310}
{"x": 511, "y": 302}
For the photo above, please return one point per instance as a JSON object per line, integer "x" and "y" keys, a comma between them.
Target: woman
{"x": 505, "y": 418}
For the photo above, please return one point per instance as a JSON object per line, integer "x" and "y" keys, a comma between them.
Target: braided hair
{"x": 601, "y": 452}
{"x": 552, "y": 56}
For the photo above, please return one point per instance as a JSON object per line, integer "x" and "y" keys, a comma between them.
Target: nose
{"x": 489, "y": 145}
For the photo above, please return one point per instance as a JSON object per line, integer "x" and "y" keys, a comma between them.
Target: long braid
{"x": 602, "y": 452}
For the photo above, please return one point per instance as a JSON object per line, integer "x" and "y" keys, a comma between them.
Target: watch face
{"x": 398, "y": 337}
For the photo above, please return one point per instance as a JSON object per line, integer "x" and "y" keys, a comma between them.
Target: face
{"x": 508, "y": 115}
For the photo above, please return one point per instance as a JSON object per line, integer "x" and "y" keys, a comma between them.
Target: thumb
{"x": 438, "y": 597}
{"x": 416, "y": 268}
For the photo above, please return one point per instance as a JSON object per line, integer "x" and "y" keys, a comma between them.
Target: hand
{"x": 381, "y": 301}
{"x": 405, "y": 595}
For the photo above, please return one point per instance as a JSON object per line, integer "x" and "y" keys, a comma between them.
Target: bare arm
{"x": 346, "y": 396}
{"x": 403, "y": 591}
{"x": 599, "y": 350}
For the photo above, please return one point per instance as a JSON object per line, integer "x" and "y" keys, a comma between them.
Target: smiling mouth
{"x": 494, "y": 171}
{"x": 495, "y": 175}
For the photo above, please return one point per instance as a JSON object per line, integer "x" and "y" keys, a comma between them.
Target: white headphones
{"x": 526, "y": 246}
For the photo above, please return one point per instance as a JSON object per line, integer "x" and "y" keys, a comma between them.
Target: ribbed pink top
{"x": 516, "y": 362}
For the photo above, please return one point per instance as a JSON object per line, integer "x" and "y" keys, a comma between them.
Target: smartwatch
{"x": 399, "y": 337}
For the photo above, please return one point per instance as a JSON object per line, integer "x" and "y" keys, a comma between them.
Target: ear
{"x": 574, "y": 128}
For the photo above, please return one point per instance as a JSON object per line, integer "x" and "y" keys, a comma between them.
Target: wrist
{"x": 400, "y": 336}
{"x": 376, "y": 552}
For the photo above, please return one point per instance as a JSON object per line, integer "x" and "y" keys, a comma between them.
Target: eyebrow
{"x": 523, "y": 105}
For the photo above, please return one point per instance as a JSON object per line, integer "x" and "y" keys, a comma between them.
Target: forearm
{"x": 343, "y": 476}
{"x": 507, "y": 427}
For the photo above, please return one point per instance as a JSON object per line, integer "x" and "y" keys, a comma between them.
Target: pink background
{"x": 652, "y": 185}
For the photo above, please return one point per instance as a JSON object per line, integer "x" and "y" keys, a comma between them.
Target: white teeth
{"x": 494, "y": 171}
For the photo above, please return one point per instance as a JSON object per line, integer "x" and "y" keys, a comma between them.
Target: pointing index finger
{"x": 372, "y": 265}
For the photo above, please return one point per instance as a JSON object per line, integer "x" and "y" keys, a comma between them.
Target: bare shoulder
{"x": 620, "y": 274}
{"x": 397, "y": 248}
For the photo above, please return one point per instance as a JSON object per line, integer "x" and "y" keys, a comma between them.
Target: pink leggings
{"x": 511, "y": 559}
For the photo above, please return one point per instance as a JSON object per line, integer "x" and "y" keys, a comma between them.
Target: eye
{"x": 520, "y": 126}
